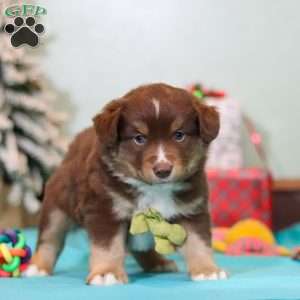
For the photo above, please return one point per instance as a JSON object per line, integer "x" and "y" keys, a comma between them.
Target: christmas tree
{"x": 32, "y": 139}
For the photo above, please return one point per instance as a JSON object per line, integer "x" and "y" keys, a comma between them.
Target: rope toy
{"x": 14, "y": 253}
{"x": 166, "y": 236}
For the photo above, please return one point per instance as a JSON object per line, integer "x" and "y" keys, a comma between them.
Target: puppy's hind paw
{"x": 34, "y": 271}
{"x": 166, "y": 266}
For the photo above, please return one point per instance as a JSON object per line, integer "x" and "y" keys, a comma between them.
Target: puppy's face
{"x": 156, "y": 134}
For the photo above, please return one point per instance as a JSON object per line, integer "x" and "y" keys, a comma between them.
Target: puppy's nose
{"x": 162, "y": 170}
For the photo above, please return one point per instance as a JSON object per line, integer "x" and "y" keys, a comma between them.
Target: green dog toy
{"x": 166, "y": 236}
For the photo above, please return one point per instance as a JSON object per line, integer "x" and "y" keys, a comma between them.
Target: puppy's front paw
{"x": 106, "y": 279}
{"x": 34, "y": 271}
{"x": 212, "y": 273}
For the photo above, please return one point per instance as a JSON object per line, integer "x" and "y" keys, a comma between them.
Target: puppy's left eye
{"x": 140, "y": 139}
{"x": 179, "y": 136}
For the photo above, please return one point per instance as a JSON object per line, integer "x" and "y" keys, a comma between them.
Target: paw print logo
{"x": 24, "y": 33}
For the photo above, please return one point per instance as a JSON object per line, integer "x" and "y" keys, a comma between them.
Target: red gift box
{"x": 239, "y": 194}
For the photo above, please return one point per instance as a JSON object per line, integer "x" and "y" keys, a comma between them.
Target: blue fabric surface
{"x": 251, "y": 278}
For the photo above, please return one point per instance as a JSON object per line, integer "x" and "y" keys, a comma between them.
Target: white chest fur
{"x": 159, "y": 197}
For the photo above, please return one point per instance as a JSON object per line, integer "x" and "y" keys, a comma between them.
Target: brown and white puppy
{"x": 146, "y": 149}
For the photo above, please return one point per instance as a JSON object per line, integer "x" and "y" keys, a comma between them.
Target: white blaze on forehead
{"x": 161, "y": 154}
{"x": 156, "y": 107}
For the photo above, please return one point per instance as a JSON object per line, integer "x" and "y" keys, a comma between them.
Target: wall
{"x": 251, "y": 48}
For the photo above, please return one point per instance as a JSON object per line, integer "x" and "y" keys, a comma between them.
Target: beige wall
{"x": 250, "y": 48}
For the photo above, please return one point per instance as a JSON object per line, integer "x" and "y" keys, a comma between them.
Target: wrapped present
{"x": 237, "y": 167}
{"x": 239, "y": 194}
{"x": 226, "y": 150}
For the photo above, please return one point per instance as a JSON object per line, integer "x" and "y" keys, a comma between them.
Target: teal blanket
{"x": 251, "y": 278}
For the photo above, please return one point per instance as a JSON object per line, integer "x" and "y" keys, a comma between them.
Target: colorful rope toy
{"x": 14, "y": 253}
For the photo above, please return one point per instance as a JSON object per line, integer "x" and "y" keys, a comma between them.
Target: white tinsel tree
{"x": 32, "y": 142}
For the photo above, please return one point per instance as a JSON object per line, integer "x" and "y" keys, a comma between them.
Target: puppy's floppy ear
{"x": 106, "y": 123}
{"x": 209, "y": 121}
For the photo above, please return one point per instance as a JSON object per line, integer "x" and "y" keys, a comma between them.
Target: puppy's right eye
{"x": 179, "y": 136}
{"x": 140, "y": 139}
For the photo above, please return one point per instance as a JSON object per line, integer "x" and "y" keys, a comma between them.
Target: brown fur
{"x": 151, "y": 261}
{"x": 90, "y": 185}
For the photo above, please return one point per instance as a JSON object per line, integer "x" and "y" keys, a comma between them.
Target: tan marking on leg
{"x": 50, "y": 243}
{"x": 199, "y": 258}
{"x": 107, "y": 263}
